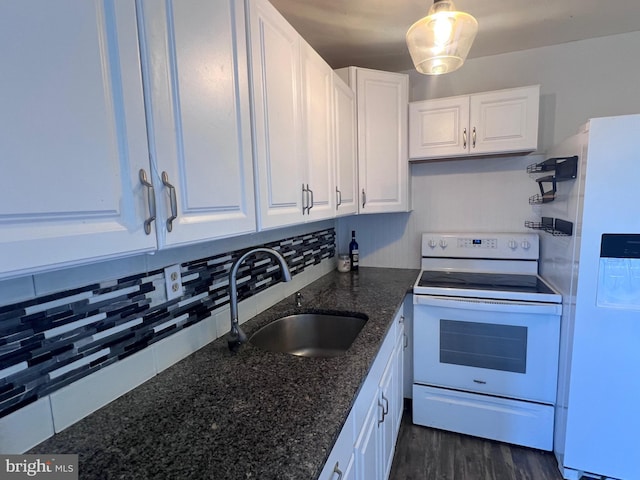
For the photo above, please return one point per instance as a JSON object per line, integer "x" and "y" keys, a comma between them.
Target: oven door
{"x": 496, "y": 347}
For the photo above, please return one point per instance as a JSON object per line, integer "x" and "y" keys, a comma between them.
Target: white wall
{"x": 579, "y": 80}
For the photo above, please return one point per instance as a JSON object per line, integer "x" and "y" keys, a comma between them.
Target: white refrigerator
{"x": 597, "y": 270}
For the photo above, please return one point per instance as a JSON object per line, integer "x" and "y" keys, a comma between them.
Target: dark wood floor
{"x": 428, "y": 454}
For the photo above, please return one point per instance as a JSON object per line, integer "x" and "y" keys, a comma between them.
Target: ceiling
{"x": 371, "y": 33}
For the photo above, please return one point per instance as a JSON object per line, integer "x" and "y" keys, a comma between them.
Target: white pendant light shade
{"x": 440, "y": 42}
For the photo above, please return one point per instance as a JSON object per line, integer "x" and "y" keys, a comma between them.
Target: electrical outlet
{"x": 173, "y": 282}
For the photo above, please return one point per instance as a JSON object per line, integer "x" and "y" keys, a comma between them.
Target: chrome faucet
{"x": 236, "y": 336}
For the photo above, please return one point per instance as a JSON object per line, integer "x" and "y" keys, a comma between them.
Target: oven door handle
{"x": 508, "y": 306}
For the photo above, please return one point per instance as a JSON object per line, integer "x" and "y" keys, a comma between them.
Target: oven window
{"x": 484, "y": 345}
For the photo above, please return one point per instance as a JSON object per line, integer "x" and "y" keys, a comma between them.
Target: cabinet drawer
{"x": 502, "y": 419}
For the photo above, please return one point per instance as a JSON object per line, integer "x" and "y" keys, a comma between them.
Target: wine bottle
{"x": 354, "y": 255}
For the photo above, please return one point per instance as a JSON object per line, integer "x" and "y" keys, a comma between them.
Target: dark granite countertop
{"x": 252, "y": 415}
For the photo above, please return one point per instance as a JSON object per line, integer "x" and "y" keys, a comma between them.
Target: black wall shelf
{"x": 553, "y": 226}
{"x": 564, "y": 168}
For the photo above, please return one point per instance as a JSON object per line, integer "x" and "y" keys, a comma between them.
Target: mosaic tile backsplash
{"x": 54, "y": 340}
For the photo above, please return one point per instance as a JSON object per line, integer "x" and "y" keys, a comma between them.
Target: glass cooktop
{"x": 499, "y": 282}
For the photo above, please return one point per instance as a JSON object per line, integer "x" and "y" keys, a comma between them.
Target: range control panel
{"x": 477, "y": 243}
{"x": 520, "y": 246}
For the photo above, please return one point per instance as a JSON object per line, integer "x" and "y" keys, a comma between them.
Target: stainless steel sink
{"x": 310, "y": 334}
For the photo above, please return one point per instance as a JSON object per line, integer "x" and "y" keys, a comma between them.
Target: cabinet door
{"x": 397, "y": 400}
{"x": 368, "y": 464}
{"x": 505, "y": 121}
{"x": 382, "y": 100}
{"x": 340, "y": 463}
{"x": 194, "y": 60}
{"x": 407, "y": 364}
{"x": 275, "y": 83}
{"x": 439, "y": 128}
{"x": 317, "y": 114}
{"x": 72, "y": 134}
{"x": 386, "y": 428}
{"x": 345, "y": 136}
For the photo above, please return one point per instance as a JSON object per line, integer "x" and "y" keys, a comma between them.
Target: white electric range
{"x": 486, "y": 338}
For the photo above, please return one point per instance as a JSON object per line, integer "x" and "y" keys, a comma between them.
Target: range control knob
{"x": 443, "y": 243}
{"x": 512, "y": 244}
{"x": 526, "y": 245}
{"x": 433, "y": 243}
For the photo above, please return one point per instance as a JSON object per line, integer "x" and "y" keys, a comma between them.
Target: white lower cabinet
{"x": 386, "y": 426}
{"x": 374, "y": 421}
{"x": 340, "y": 464}
{"x": 366, "y": 447}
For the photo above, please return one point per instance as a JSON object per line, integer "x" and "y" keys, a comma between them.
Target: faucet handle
{"x": 298, "y": 299}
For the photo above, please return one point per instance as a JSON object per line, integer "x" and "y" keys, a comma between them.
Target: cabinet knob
{"x": 512, "y": 244}
{"x": 433, "y": 243}
{"x": 525, "y": 245}
{"x": 443, "y": 243}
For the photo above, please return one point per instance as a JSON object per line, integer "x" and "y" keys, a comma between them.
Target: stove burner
{"x": 483, "y": 281}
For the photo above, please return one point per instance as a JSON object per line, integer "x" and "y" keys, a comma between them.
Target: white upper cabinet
{"x": 439, "y": 128}
{"x": 72, "y": 134}
{"x": 383, "y": 170}
{"x": 318, "y": 121}
{"x": 504, "y": 121}
{"x": 277, "y": 123}
{"x": 292, "y": 122}
{"x": 194, "y": 65}
{"x": 345, "y": 135}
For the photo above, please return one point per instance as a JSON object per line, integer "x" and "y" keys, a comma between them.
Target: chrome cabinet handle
{"x": 406, "y": 341}
{"x": 305, "y": 199}
{"x": 401, "y": 319}
{"x": 151, "y": 200}
{"x": 464, "y": 138}
{"x": 172, "y": 199}
{"x": 474, "y": 137}
{"x": 364, "y": 198}
{"x": 338, "y": 198}
{"x": 381, "y": 419}
{"x": 480, "y": 382}
{"x": 386, "y": 402}
{"x": 338, "y": 471}
{"x": 311, "y": 198}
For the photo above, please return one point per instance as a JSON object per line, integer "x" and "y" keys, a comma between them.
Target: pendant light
{"x": 439, "y": 43}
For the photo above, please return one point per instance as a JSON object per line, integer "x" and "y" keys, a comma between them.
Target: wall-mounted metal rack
{"x": 553, "y": 226}
{"x": 564, "y": 168}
